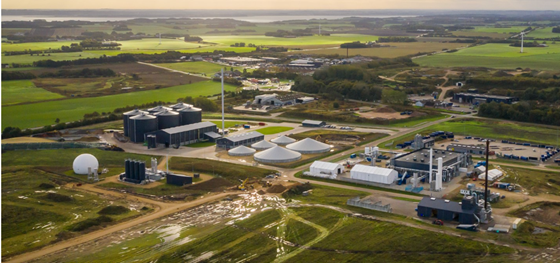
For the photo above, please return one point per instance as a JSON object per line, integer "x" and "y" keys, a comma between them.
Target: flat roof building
{"x": 243, "y": 60}
{"x": 465, "y": 148}
{"x": 464, "y": 212}
{"x": 473, "y": 97}
{"x": 312, "y": 123}
{"x": 184, "y": 135}
{"x": 244, "y": 139}
{"x": 418, "y": 161}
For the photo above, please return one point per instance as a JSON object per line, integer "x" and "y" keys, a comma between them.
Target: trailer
{"x": 473, "y": 228}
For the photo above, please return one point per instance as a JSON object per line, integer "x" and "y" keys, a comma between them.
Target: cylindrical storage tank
{"x": 129, "y": 167}
{"x": 142, "y": 171}
{"x": 126, "y": 168}
{"x": 140, "y": 125}
{"x": 135, "y": 169}
{"x": 179, "y": 106}
{"x": 158, "y": 109}
{"x": 167, "y": 119}
{"x": 126, "y": 117}
{"x": 190, "y": 115}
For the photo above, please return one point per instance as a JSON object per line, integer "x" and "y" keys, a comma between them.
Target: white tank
{"x": 83, "y": 162}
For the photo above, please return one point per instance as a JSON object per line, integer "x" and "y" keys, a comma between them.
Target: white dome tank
{"x": 83, "y": 162}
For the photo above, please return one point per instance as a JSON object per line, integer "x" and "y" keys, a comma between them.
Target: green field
{"x": 507, "y": 30}
{"x": 543, "y": 33}
{"x": 535, "y": 182}
{"x": 198, "y": 67}
{"x": 274, "y": 130}
{"x": 493, "y": 129}
{"x": 19, "y": 91}
{"x": 497, "y": 56}
{"x": 396, "y": 49}
{"x": 228, "y": 124}
{"x": 40, "y": 114}
{"x": 27, "y": 59}
{"x": 334, "y": 39}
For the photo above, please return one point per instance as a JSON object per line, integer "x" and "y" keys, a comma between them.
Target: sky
{"x": 286, "y": 4}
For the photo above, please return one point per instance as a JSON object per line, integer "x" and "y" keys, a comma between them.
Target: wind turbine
{"x": 522, "y": 34}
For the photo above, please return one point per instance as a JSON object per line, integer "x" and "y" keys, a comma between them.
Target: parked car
{"x": 438, "y": 222}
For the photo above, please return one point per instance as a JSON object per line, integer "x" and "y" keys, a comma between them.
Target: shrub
{"x": 113, "y": 210}
{"x": 89, "y": 223}
{"x": 58, "y": 197}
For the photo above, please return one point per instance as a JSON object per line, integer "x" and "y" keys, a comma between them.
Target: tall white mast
{"x": 223, "y": 121}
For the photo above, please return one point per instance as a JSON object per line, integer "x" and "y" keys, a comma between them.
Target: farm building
{"x": 418, "y": 161}
{"x": 309, "y": 146}
{"x": 277, "y": 154}
{"x": 262, "y": 145}
{"x": 464, "y": 212}
{"x": 465, "y": 148}
{"x": 283, "y": 140}
{"x": 241, "y": 151}
{"x": 326, "y": 169}
{"x": 472, "y": 98}
{"x": 245, "y": 139}
{"x": 178, "y": 179}
{"x": 373, "y": 174}
{"x": 312, "y": 123}
{"x": 184, "y": 135}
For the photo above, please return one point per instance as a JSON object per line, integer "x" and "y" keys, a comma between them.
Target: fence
{"x": 367, "y": 204}
{"x": 48, "y": 146}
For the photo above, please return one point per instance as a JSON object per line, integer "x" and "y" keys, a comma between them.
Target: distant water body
{"x": 254, "y": 19}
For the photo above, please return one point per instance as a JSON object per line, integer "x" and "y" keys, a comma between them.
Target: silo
{"x": 126, "y": 168}
{"x": 167, "y": 119}
{"x": 126, "y": 117}
{"x": 179, "y": 106}
{"x": 158, "y": 109}
{"x": 190, "y": 115}
{"x": 140, "y": 125}
{"x": 142, "y": 172}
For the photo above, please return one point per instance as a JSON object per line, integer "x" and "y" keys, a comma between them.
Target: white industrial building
{"x": 325, "y": 169}
{"x": 283, "y": 140}
{"x": 309, "y": 146}
{"x": 277, "y": 154}
{"x": 241, "y": 151}
{"x": 262, "y": 145}
{"x": 492, "y": 175}
{"x": 373, "y": 174}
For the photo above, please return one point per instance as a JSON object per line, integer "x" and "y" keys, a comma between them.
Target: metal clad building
{"x": 312, "y": 123}
{"x": 446, "y": 210}
{"x": 180, "y": 180}
{"x": 465, "y": 148}
{"x": 186, "y": 134}
{"x": 244, "y": 139}
{"x": 472, "y": 97}
{"x": 420, "y": 159}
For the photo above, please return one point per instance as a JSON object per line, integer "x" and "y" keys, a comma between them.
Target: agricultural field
{"x": 21, "y": 91}
{"x": 541, "y": 33}
{"x": 466, "y": 33}
{"x": 490, "y": 29}
{"x": 274, "y": 130}
{"x": 28, "y": 59}
{"x": 396, "y": 49}
{"x": 198, "y": 67}
{"x": 500, "y": 56}
{"x": 493, "y": 129}
{"x": 335, "y": 39}
{"x": 44, "y": 113}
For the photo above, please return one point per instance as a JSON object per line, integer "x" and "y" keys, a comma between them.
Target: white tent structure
{"x": 283, "y": 140}
{"x": 241, "y": 151}
{"x": 309, "y": 146}
{"x": 84, "y": 162}
{"x": 262, "y": 145}
{"x": 492, "y": 175}
{"x": 373, "y": 174}
{"x": 325, "y": 169}
{"x": 277, "y": 154}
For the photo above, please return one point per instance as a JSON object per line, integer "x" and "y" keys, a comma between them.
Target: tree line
{"x": 524, "y": 111}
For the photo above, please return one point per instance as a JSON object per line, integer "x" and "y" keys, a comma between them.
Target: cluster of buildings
{"x": 176, "y": 125}
{"x": 275, "y": 100}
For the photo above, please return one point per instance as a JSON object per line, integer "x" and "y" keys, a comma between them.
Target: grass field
{"x": 228, "y": 171}
{"x": 40, "y": 114}
{"x": 507, "y": 30}
{"x": 467, "y": 33}
{"x": 396, "y": 50}
{"x": 543, "y": 33}
{"x": 493, "y": 129}
{"x": 228, "y": 124}
{"x": 274, "y": 130}
{"x": 534, "y": 181}
{"x": 27, "y": 59}
{"x": 19, "y": 91}
{"x": 198, "y": 67}
{"x": 334, "y": 39}
{"x": 497, "y": 56}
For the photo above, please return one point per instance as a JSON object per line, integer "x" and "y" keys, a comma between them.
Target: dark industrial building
{"x": 474, "y": 97}
{"x": 245, "y": 139}
{"x": 134, "y": 171}
{"x": 464, "y": 212}
{"x": 312, "y": 123}
{"x": 182, "y": 135}
{"x": 418, "y": 161}
{"x": 178, "y": 179}
{"x": 464, "y": 148}
{"x": 137, "y": 123}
